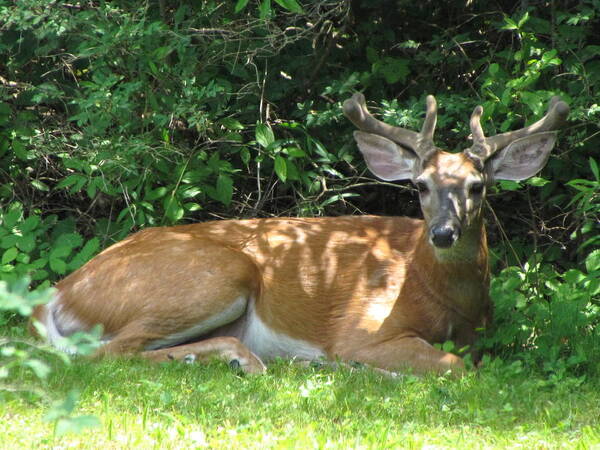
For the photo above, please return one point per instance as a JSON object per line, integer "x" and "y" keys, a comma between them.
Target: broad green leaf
{"x": 89, "y": 248}
{"x": 9, "y": 241}
{"x": 9, "y": 255}
{"x": 58, "y": 266}
{"x": 156, "y": 194}
{"x": 537, "y": 181}
{"x": 290, "y": 5}
{"x": 29, "y": 224}
{"x": 245, "y": 155}
{"x": 11, "y": 218}
{"x": 40, "y": 185}
{"x": 71, "y": 180}
{"x": 280, "y": 168}
{"x": 19, "y": 150}
{"x": 70, "y": 240}
{"x": 26, "y": 243}
{"x": 592, "y": 262}
{"x": 174, "y": 211}
{"x": 232, "y": 124}
{"x": 190, "y": 192}
{"x": 224, "y": 189}
{"x": 264, "y": 135}
{"x": 508, "y": 185}
{"x": 295, "y": 152}
{"x": 60, "y": 252}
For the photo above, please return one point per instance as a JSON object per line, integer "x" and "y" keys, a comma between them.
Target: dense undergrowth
{"x": 115, "y": 116}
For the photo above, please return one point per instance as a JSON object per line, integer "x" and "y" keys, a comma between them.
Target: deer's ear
{"x": 386, "y": 159}
{"x": 523, "y": 158}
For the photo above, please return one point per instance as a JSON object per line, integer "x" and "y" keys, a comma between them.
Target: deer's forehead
{"x": 446, "y": 167}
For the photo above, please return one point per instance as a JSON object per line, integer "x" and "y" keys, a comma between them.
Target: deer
{"x": 380, "y": 291}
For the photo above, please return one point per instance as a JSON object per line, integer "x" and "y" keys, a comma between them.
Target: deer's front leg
{"x": 406, "y": 353}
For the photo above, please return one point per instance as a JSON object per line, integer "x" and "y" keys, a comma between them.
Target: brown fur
{"x": 313, "y": 279}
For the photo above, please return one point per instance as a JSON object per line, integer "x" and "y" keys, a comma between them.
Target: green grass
{"x": 172, "y": 405}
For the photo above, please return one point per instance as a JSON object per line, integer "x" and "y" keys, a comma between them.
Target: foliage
{"x": 548, "y": 318}
{"x": 23, "y": 358}
{"x": 120, "y": 115}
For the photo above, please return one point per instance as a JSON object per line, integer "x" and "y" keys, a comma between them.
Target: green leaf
{"x": 537, "y": 181}
{"x": 29, "y": 224}
{"x": 232, "y": 124}
{"x": 60, "y": 252}
{"x": 20, "y": 151}
{"x": 58, "y": 266}
{"x": 39, "y": 368}
{"x": 264, "y": 135}
{"x": 26, "y": 243}
{"x": 393, "y": 69}
{"x": 295, "y": 152}
{"x": 11, "y": 218}
{"x": 40, "y": 185}
{"x": 523, "y": 19}
{"x": 245, "y": 155}
{"x": 291, "y": 5}
{"x": 72, "y": 180}
{"x": 224, "y": 189}
{"x": 173, "y": 210}
{"x": 9, "y": 241}
{"x": 508, "y": 185}
{"x": 156, "y": 194}
{"x": 594, "y": 168}
{"x": 592, "y": 262}
{"x": 9, "y": 255}
{"x": 240, "y": 5}
{"x": 280, "y": 168}
{"x": 69, "y": 240}
{"x": 264, "y": 9}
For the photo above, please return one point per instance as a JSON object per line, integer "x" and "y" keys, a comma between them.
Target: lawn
{"x": 172, "y": 405}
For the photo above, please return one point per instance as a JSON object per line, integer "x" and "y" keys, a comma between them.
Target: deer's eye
{"x": 422, "y": 187}
{"x": 476, "y": 188}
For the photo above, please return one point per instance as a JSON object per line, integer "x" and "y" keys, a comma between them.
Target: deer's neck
{"x": 459, "y": 276}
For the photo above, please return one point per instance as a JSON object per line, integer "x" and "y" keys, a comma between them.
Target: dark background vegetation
{"x": 119, "y": 115}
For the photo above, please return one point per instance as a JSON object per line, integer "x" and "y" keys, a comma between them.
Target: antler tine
{"x": 479, "y": 149}
{"x": 554, "y": 119}
{"x": 355, "y": 109}
{"x": 430, "y": 120}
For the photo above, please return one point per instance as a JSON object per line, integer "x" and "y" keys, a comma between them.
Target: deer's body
{"x": 378, "y": 290}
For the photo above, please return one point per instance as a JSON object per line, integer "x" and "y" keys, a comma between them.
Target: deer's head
{"x": 452, "y": 186}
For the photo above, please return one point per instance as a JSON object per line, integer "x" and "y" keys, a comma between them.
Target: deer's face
{"x": 452, "y": 191}
{"x": 452, "y": 186}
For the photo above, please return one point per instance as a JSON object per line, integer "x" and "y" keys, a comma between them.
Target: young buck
{"x": 378, "y": 290}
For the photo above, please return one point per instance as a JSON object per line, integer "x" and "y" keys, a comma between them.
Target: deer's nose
{"x": 443, "y": 236}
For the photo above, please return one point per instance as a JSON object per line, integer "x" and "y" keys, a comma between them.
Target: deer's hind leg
{"x": 204, "y": 291}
